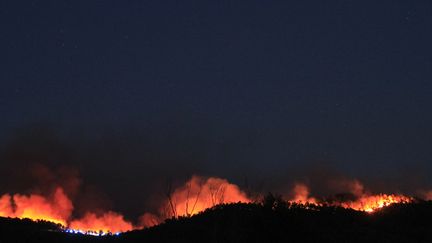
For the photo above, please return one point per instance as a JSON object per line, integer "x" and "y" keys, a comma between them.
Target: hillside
{"x": 272, "y": 221}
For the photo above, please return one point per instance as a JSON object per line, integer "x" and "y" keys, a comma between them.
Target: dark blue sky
{"x": 130, "y": 88}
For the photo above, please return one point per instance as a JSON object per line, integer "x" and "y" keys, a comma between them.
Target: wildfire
{"x": 371, "y": 203}
{"x": 108, "y": 222}
{"x": 362, "y": 201}
{"x": 5, "y": 209}
{"x": 57, "y": 208}
{"x": 199, "y": 194}
{"x": 195, "y": 196}
{"x": 301, "y": 195}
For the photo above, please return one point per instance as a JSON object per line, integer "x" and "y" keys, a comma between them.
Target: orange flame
{"x": 301, "y": 194}
{"x": 364, "y": 201}
{"x": 5, "y": 206}
{"x": 197, "y": 195}
{"x": 57, "y": 209}
{"x": 371, "y": 203}
{"x": 108, "y": 222}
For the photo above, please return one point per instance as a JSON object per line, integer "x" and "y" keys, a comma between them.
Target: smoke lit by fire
{"x": 194, "y": 196}
{"x": 57, "y": 208}
{"x": 199, "y": 194}
{"x": 359, "y": 200}
{"x": 108, "y": 222}
{"x": 370, "y": 203}
{"x": 301, "y": 194}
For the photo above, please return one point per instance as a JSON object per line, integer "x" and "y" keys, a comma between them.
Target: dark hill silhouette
{"x": 272, "y": 221}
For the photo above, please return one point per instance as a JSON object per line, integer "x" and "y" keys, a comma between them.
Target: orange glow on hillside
{"x": 301, "y": 195}
{"x": 363, "y": 201}
{"x": 108, "y": 222}
{"x": 371, "y": 203}
{"x": 199, "y": 194}
{"x": 57, "y": 209}
{"x": 196, "y": 195}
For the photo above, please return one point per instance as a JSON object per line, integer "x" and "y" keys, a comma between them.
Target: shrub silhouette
{"x": 272, "y": 220}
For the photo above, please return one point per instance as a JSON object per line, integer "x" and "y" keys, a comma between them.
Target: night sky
{"x": 130, "y": 93}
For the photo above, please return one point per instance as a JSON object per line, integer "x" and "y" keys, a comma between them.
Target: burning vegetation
{"x": 357, "y": 199}
{"x": 58, "y": 208}
{"x": 194, "y": 196}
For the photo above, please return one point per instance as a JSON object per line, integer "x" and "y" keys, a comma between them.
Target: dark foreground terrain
{"x": 272, "y": 221}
